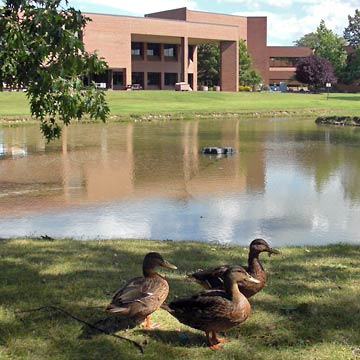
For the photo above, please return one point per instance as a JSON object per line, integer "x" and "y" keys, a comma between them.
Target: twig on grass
{"x": 138, "y": 345}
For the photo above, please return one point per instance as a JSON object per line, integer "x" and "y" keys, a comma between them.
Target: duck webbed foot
{"x": 217, "y": 340}
{"x": 214, "y": 342}
{"x": 148, "y": 325}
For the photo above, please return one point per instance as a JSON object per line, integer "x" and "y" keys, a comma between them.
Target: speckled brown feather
{"x": 139, "y": 297}
{"x": 210, "y": 310}
{"x": 213, "y": 278}
{"x": 215, "y": 310}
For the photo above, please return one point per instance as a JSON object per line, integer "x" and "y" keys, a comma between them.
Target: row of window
{"x": 283, "y": 61}
{"x": 153, "y": 49}
{"x": 154, "y": 78}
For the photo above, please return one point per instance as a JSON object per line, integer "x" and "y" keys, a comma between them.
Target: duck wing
{"x": 132, "y": 291}
{"x": 139, "y": 294}
{"x": 210, "y": 278}
{"x": 202, "y": 311}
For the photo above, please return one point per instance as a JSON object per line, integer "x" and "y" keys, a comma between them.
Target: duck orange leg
{"x": 147, "y": 322}
{"x": 217, "y": 340}
{"x": 148, "y": 325}
{"x": 211, "y": 344}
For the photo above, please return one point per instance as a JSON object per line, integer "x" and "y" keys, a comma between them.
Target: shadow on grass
{"x": 296, "y": 307}
{"x": 177, "y": 338}
{"x": 345, "y": 98}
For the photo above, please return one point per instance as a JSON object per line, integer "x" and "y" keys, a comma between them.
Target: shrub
{"x": 244, "y": 88}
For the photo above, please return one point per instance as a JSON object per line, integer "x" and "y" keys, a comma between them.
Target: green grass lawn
{"x": 124, "y": 104}
{"x": 309, "y": 309}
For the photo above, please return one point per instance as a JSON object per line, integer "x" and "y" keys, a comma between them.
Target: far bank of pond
{"x": 125, "y": 105}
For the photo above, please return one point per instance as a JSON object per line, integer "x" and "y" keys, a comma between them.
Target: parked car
{"x": 134, "y": 87}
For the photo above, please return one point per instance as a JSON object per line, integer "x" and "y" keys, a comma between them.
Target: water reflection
{"x": 289, "y": 181}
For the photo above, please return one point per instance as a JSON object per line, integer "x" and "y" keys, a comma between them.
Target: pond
{"x": 290, "y": 181}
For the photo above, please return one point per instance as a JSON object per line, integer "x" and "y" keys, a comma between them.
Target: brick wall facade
{"x": 112, "y": 36}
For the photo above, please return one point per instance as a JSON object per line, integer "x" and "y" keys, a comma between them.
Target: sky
{"x": 288, "y": 20}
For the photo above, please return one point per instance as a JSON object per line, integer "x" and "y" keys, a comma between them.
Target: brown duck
{"x": 212, "y": 278}
{"x": 215, "y": 310}
{"x": 141, "y": 296}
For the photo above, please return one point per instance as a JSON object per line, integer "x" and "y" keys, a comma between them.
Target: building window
{"x": 153, "y": 79}
{"x": 118, "y": 78}
{"x": 283, "y": 61}
{"x": 191, "y": 49}
{"x": 153, "y": 50}
{"x": 170, "y": 51}
{"x": 170, "y": 79}
{"x": 137, "y": 78}
{"x": 136, "y": 48}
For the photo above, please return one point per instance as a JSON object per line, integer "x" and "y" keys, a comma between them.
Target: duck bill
{"x": 168, "y": 265}
{"x": 273, "y": 251}
{"x": 252, "y": 279}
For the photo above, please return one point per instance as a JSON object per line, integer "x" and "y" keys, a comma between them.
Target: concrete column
{"x": 145, "y": 52}
{"x": 162, "y": 80}
{"x": 127, "y": 66}
{"x": 184, "y": 59}
{"x": 127, "y": 76}
{"x": 145, "y": 80}
{"x": 229, "y": 66}
{"x": 162, "y": 57}
{"x": 195, "y": 67}
{"x": 178, "y": 52}
{"x": 109, "y": 82}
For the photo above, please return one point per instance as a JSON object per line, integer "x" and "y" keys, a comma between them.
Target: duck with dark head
{"x": 213, "y": 278}
{"x": 215, "y": 310}
{"x": 141, "y": 296}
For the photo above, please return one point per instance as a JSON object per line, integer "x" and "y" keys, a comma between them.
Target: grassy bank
{"x": 137, "y": 104}
{"x": 309, "y": 310}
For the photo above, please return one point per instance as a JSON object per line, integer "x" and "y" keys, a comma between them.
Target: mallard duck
{"x": 141, "y": 296}
{"x": 212, "y": 278}
{"x": 215, "y": 310}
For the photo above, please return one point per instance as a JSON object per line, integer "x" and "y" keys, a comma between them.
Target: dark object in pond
{"x": 338, "y": 120}
{"x": 218, "y": 150}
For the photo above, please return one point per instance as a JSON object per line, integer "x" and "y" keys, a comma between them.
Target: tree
{"x": 251, "y": 78}
{"x": 314, "y": 70}
{"x": 41, "y": 50}
{"x": 247, "y": 75}
{"x": 326, "y": 44}
{"x": 351, "y": 71}
{"x": 310, "y": 40}
{"x": 208, "y": 64}
{"x": 331, "y": 47}
{"x": 352, "y": 31}
{"x": 245, "y": 61}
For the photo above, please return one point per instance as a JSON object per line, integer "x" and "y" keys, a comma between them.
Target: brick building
{"x": 160, "y": 49}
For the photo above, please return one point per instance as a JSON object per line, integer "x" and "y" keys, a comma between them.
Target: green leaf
{"x": 41, "y": 51}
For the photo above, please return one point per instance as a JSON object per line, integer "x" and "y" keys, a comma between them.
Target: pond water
{"x": 290, "y": 181}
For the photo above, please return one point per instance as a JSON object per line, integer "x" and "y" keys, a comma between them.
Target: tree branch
{"x": 138, "y": 345}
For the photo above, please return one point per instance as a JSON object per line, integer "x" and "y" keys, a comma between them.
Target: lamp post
{"x": 328, "y": 86}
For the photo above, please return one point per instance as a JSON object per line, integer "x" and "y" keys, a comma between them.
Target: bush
{"x": 244, "y": 88}
{"x": 314, "y": 70}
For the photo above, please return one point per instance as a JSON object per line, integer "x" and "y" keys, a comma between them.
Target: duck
{"x": 213, "y": 278}
{"x": 141, "y": 296}
{"x": 215, "y": 310}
